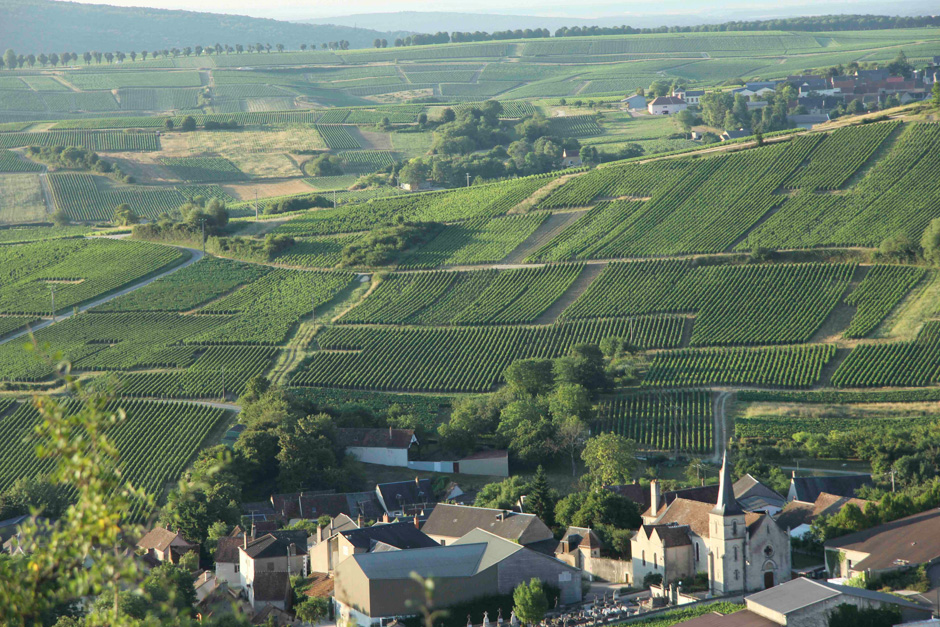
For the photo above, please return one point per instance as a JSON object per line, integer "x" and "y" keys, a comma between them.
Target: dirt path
{"x": 46, "y": 192}
{"x": 555, "y": 224}
{"x": 720, "y": 434}
{"x": 196, "y": 256}
{"x": 577, "y": 288}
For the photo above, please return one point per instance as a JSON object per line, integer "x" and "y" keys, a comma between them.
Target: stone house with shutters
{"x": 165, "y": 546}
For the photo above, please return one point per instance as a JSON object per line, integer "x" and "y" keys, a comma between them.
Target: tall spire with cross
{"x": 727, "y": 505}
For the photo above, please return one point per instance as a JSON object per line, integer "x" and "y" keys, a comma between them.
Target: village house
{"x": 405, "y": 498}
{"x": 667, "y": 105}
{"x": 635, "y": 102}
{"x": 798, "y": 516}
{"x": 758, "y": 88}
{"x": 310, "y": 505}
{"x": 164, "y": 545}
{"x": 279, "y": 552}
{"x": 327, "y": 554}
{"x": 736, "y": 134}
{"x": 375, "y": 588}
{"x": 738, "y": 551}
{"x": 385, "y": 447}
{"x": 808, "y": 489}
{"x": 570, "y": 158}
{"x": 897, "y": 545}
{"x": 448, "y": 523}
{"x": 692, "y": 97}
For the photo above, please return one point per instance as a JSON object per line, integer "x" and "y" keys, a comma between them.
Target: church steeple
{"x": 727, "y": 505}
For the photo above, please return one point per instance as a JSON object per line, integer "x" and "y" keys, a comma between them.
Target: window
{"x": 237, "y": 567}
{"x": 734, "y": 528}
{"x": 735, "y": 553}
{"x": 644, "y": 558}
{"x": 655, "y": 565}
{"x": 564, "y": 577}
{"x": 698, "y": 557}
{"x": 737, "y": 575}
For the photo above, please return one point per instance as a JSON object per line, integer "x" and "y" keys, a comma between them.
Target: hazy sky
{"x": 299, "y": 9}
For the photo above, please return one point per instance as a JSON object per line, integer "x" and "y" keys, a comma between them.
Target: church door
{"x": 769, "y": 579}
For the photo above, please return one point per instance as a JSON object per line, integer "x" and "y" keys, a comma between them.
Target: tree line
{"x": 809, "y": 23}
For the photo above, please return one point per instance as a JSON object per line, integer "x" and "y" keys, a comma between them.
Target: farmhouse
{"x": 405, "y": 498}
{"x": 897, "y": 545}
{"x": 327, "y": 554}
{"x": 798, "y": 516}
{"x": 571, "y": 158}
{"x": 386, "y": 447}
{"x": 667, "y": 105}
{"x": 692, "y": 97}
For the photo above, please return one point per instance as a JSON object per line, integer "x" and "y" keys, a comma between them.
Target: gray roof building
{"x": 448, "y": 522}
{"x": 808, "y": 489}
{"x": 804, "y": 601}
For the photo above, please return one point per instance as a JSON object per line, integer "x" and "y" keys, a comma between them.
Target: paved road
{"x": 196, "y": 256}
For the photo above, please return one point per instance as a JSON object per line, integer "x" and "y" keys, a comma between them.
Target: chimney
{"x": 246, "y": 542}
{"x": 655, "y": 497}
{"x": 384, "y": 517}
{"x": 359, "y": 521}
{"x": 417, "y": 523}
{"x": 253, "y": 531}
{"x": 300, "y": 504}
{"x": 418, "y": 482}
{"x": 389, "y": 433}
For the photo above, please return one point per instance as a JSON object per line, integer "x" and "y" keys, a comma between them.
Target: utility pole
{"x": 468, "y": 179}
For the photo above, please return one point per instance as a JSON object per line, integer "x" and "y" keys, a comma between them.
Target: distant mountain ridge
{"x": 52, "y": 26}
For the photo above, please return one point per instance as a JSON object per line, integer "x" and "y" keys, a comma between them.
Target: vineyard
{"x": 662, "y": 421}
{"x": 266, "y": 310}
{"x": 878, "y": 294}
{"x": 777, "y": 304}
{"x": 200, "y": 169}
{"x": 896, "y": 364}
{"x": 187, "y": 289}
{"x": 80, "y": 270}
{"x": 840, "y": 155}
{"x": 575, "y": 126}
{"x": 473, "y": 202}
{"x": 93, "y": 140}
{"x": 788, "y": 367}
{"x": 117, "y": 80}
{"x": 484, "y": 240}
{"x": 11, "y": 162}
{"x": 316, "y": 252}
{"x": 85, "y": 197}
{"x": 894, "y": 197}
{"x": 338, "y": 137}
{"x": 157, "y": 440}
{"x": 462, "y": 359}
{"x": 780, "y": 426}
{"x": 463, "y": 298}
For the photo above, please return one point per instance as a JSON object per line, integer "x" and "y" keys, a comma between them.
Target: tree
{"x": 529, "y": 602}
{"x": 570, "y": 407}
{"x": 610, "y": 459}
{"x": 530, "y": 377}
{"x": 584, "y": 365}
{"x": 189, "y": 124}
{"x": 470, "y": 418}
{"x": 124, "y": 216}
{"x": 596, "y": 508}
{"x": 540, "y": 499}
{"x": 414, "y": 173}
{"x": 525, "y": 425}
{"x": 168, "y": 124}
{"x": 503, "y": 494}
{"x": 60, "y": 218}
{"x": 930, "y": 242}
{"x": 312, "y": 609}
{"x": 900, "y": 66}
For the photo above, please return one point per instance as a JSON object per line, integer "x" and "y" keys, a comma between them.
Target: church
{"x": 739, "y": 551}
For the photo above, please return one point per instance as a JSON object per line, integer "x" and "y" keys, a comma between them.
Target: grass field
{"x": 21, "y": 199}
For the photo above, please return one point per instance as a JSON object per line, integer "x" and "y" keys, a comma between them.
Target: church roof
{"x": 727, "y": 504}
